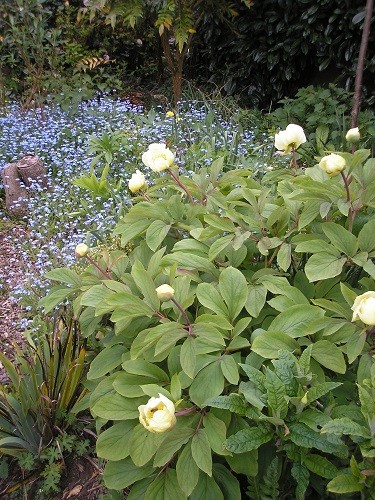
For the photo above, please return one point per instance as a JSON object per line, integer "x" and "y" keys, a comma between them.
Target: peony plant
{"x": 237, "y": 321}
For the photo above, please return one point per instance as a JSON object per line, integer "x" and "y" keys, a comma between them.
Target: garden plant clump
{"x": 236, "y": 323}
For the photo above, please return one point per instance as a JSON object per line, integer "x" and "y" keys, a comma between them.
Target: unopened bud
{"x": 165, "y": 292}
{"x": 81, "y": 250}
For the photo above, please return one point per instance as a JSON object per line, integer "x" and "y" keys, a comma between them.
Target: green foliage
{"x": 268, "y": 373}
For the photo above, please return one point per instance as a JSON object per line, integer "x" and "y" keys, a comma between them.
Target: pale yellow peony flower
{"x": 364, "y": 308}
{"x": 289, "y": 139}
{"x": 137, "y": 182}
{"x": 81, "y": 250}
{"x": 353, "y": 135}
{"x": 165, "y": 292}
{"x": 332, "y": 164}
{"x": 158, "y": 157}
{"x": 158, "y": 414}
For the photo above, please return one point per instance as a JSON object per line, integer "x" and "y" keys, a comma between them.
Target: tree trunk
{"x": 361, "y": 63}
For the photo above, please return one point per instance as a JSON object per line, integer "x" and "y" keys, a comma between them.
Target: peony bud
{"x": 364, "y": 308}
{"x": 81, "y": 250}
{"x": 332, "y": 164}
{"x": 289, "y": 139}
{"x": 165, "y": 292}
{"x": 353, "y": 135}
{"x": 158, "y": 157}
{"x": 158, "y": 414}
{"x": 137, "y": 182}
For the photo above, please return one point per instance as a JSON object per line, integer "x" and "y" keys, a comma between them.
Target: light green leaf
{"x": 321, "y": 266}
{"x": 366, "y": 237}
{"x": 355, "y": 345}
{"x": 284, "y": 256}
{"x": 173, "y": 441}
{"x": 209, "y": 297}
{"x": 121, "y": 474}
{"x": 145, "y": 285}
{"x": 143, "y": 444}
{"x": 64, "y": 275}
{"x": 216, "y": 432}
{"x": 187, "y": 471}
{"x": 201, "y": 451}
{"x": 329, "y": 355}
{"x": 155, "y": 234}
{"x": 344, "y": 425}
{"x": 233, "y": 289}
{"x": 295, "y": 320}
{"x": 229, "y": 367}
{"x": 113, "y": 443}
{"x": 341, "y": 238}
{"x": 345, "y": 483}
{"x": 248, "y": 439}
{"x": 113, "y": 406}
{"x": 145, "y": 368}
{"x": 165, "y": 487}
{"x": 208, "y": 383}
{"x": 107, "y": 360}
{"x": 55, "y": 297}
{"x": 256, "y": 299}
{"x": 268, "y": 344}
{"x": 188, "y": 357}
{"x": 218, "y": 246}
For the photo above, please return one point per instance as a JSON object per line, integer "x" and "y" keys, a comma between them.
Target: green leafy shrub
{"x": 230, "y": 347}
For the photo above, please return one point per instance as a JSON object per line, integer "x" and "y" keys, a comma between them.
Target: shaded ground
{"x": 11, "y": 269}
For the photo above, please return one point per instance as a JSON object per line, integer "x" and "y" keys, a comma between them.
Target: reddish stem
{"x": 183, "y": 312}
{"x": 179, "y": 183}
{"x": 92, "y": 261}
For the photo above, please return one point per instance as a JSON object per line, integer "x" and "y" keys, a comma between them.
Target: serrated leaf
{"x": 276, "y": 394}
{"x": 248, "y": 439}
{"x": 320, "y": 465}
{"x": 345, "y": 483}
{"x": 201, "y": 451}
{"x": 320, "y": 390}
{"x": 302, "y": 476}
{"x": 344, "y": 425}
{"x": 301, "y": 435}
{"x": 234, "y": 403}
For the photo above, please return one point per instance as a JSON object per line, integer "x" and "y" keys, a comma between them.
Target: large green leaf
{"x": 113, "y": 406}
{"x": 320, "y": 465}
{"x": 165, "y": 487}
{"x": 188, "y": 357}
{"x": 209, "y": 297}
{"x": 145, "y": 284}
{"x": 206, "y": 489}
{"x": 322, "y": 266}
{"x": 341, "y": 238}
{"x": 216, "y": 431}
{"x": 344, "y": 425}
{"x": 268, "y": 344}
{"x": 345, "y": 483}
{"x": 173, "y": 441}
{"x": 329, "y": 355}
{"x": 121, "y": 474}
{"x": 295, "y": 320}
{"x": 208, "y": 383}
{"x": 187, "y": 471}
{"x": 64, "y": 275}
{"x": 233, "y": 289}
{"x": 248, "y": 439}
{"x": 301, "y": 435}
{"x": 366, "y": 237}
{"x": 143, "y": 445}
{"x": 155, "y": 234}
{"x": 256, "y": 299}
{"x": 113, "y": 443}
{"x": 276, "y": 394}
{"x": 229, "y": 367}
{"x": 107, "y": 360}
{"x": 201, "y": 451}
{"x": 228, "y": 483}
